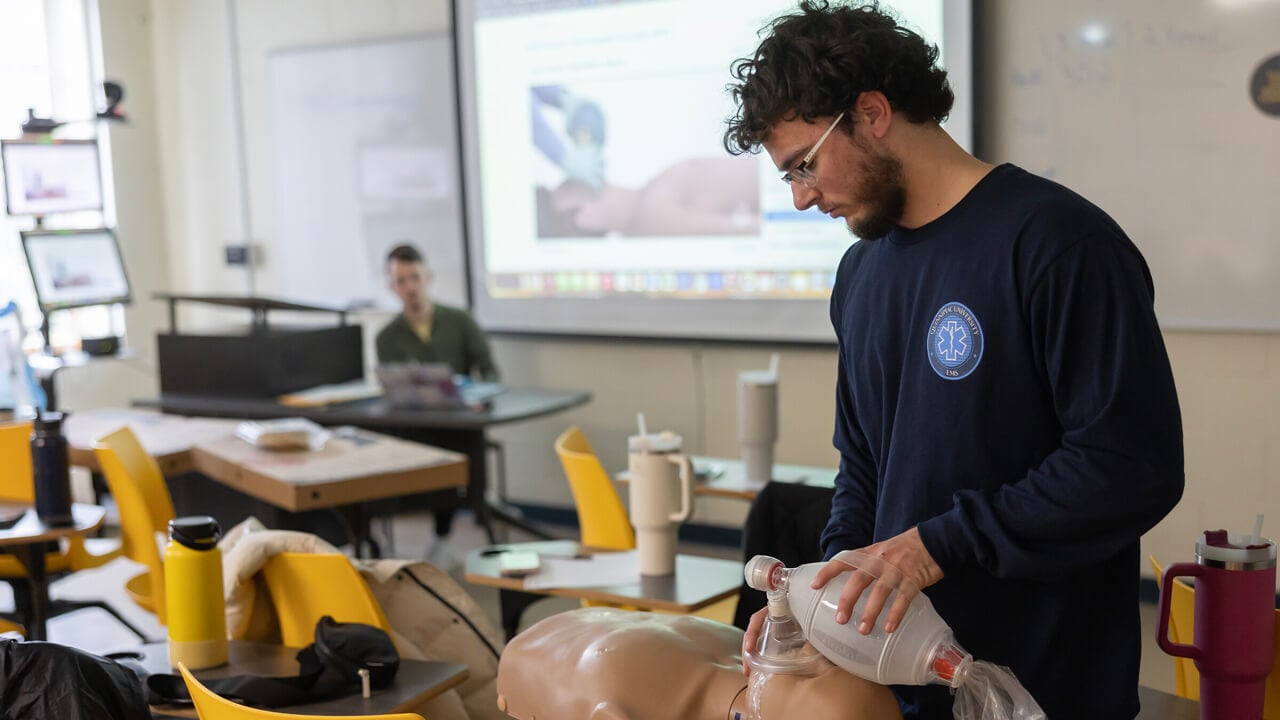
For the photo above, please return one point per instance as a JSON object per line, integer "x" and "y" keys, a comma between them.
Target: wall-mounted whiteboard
{"x": 1147, "y": 108}
{"x": 364, "y": 145}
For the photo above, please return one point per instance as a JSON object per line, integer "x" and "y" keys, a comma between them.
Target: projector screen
{"x": 46, "y": 177}
{"x": 673, "y": 237}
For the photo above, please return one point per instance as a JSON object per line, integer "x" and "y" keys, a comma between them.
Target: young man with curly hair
{"x": 1005, "y": 410}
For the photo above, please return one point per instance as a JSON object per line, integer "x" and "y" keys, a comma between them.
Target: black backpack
{"x": 329, "y": 667}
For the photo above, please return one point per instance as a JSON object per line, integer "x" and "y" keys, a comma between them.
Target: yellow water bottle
{"x": 193, "y": 593}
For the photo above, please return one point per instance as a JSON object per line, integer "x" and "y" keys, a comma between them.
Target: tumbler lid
{"x": 48, "y": 421}
{"x": 198, "y": 532}
{"x": 663, "y": 442}
{"x": 1219, "y": 548}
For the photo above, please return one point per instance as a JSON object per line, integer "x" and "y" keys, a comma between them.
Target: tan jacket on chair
{"x": 431, "y": 616}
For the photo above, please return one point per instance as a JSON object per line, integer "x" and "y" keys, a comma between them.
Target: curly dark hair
{"x": 817, "y": 61}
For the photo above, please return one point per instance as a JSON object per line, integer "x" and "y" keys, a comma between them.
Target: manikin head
{"x": 408, "y": 277}
{"x": 606, "y": 664}
{"x": 854, "y": 70}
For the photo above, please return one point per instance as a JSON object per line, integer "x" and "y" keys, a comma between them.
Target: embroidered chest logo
{"x": 955, "y": 342}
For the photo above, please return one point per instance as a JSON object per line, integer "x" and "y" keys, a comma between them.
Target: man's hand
{"x": 901, "y": 562}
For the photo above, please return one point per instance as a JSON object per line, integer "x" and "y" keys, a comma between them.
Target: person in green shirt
{"x": 427, "y": 331}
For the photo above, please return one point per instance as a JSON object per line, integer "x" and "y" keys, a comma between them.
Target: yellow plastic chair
{"x": 1181, "y": 618}
{"x": 602, "y": 519}
{"x": 601, "y": 516}
{"x": 1182, "y": 630}
{"x": 305, "y": 587}
{"x": 17, "y": 486}
{"x": 211, "y": 706}
{"x": 145, "y": 507}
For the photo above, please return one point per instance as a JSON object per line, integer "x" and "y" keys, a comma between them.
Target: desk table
{"x": 727, "y": 478}
{"x": 26, "y": 541}
{"x": 462, "y": 430}
{"x": 416, "y": 682}
{"x": 697, "y": 583}
{"x": 353, "y": 467}
{"x": 166, "y": 438}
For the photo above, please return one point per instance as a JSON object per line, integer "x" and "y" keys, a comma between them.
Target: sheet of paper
{"x": 619, "y": 568}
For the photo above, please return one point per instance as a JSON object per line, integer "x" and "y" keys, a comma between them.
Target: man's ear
{"x": 873, "y": 109}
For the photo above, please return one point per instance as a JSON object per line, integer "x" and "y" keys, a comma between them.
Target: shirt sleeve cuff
{"x": 947, "y": 540}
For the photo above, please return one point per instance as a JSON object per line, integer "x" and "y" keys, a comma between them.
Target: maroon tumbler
{"x": 1235, "y": 593}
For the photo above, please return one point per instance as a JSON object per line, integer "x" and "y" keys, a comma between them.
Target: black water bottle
{"x": 52, "y": 470}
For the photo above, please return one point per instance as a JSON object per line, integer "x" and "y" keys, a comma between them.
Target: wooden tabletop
{"x": 353, "y": 466}
{"x": 416, "y": 681}
{"x": 29, "y": 530}
{"x": 727, "y": 477}
{"x": 167, "y": 438}
{"x": 697, "y": 582}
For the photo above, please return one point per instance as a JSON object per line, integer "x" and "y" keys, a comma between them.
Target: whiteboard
{"x": 1145, "y": 108}
{"x": 364, "y": 145}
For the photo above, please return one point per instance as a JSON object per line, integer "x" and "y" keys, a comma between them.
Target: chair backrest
{"x": 305, "y": 587}
{"x": 16, "y": 483}
{"x": 1182, "y": 607}
{"x": 143, "y": 501}
{"x": 211, "y": 706}
{"x": 1182, "y": 630}
{"x": 601, "y": 516}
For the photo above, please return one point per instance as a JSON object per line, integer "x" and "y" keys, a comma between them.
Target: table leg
{"x": 32, "y": 559}
{"x": 511, "y": 605}
{"x": 357, "y": 527}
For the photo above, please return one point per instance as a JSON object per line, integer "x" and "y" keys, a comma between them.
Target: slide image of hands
{"x": 606, "y": 167}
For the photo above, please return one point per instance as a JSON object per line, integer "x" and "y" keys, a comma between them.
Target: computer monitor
{"x": 75, "y": 268}
{"x": 46, "y": 177}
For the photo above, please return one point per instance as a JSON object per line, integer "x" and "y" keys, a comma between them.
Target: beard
{"x": 882, "y": 192}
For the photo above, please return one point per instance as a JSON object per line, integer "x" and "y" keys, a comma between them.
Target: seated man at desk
{"x": 607, "y": 664}
{"x": 427, "y": 331}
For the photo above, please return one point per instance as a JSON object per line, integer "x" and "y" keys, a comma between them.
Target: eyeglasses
{"x": 801, "y": 172}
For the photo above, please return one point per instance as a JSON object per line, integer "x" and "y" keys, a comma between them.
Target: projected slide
{"x": 45, "y": 178}
{"x": 596, "y": 168}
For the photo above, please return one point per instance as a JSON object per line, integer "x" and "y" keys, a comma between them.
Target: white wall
{"x": 1225, "y": 380}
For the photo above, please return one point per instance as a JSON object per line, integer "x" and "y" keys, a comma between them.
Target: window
{"x": 45, "y": 65}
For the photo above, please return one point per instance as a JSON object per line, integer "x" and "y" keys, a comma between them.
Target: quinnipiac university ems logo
{"x": 955, "y": 342}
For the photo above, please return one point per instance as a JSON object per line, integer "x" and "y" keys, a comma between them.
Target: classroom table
{"x": 727, "y": 477}
{"x": 416, "y": 682}
{"x": 459, "y": 429}
{"x": 697, "y": 582}
{"x": 353, "y": 466}
{"x": 27, "y": 541}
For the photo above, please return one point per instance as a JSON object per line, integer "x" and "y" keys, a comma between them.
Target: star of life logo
{"x": 955, "y": 342}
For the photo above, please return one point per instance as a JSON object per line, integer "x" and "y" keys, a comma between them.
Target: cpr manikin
{"x": 606, "y": 664}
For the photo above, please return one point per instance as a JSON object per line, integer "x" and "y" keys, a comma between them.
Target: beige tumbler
{"x": 661, "y": 498}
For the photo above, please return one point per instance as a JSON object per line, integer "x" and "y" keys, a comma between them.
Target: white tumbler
{"x": 757, "y": 422}
{"x": 661, "y": 498}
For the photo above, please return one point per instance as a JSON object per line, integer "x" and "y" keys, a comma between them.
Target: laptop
{"x": 431, "y": 386}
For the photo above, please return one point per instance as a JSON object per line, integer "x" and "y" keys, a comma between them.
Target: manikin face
{"x": 852, "y": 179}
{"x": 409, "y": 281}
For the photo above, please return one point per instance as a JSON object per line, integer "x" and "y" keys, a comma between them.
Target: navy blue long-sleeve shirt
{"x": 1004, "y": 387}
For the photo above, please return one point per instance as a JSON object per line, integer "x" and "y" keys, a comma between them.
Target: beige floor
{"x": 96, "y": 631}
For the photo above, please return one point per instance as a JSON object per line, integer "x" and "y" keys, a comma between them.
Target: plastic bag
{"x": 986, "y": 691}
